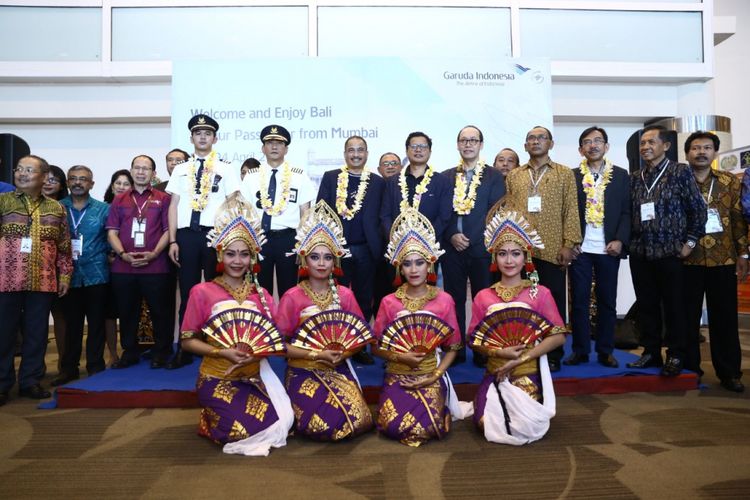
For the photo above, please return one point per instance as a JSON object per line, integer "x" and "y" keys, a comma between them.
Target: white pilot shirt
{"x": 225, "y": 180}
{"x": 301, "y": 191}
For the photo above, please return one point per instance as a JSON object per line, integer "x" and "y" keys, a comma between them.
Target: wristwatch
{"x": 745, "y": 256}
{"x": 690, "y": 243}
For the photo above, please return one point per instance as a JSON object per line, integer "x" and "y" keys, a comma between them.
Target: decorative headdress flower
{"x": 321, "y": 226}
{"x": 509, "y": 226}
{"x": 236, "y": 219}
{"x": 412, "y": 233}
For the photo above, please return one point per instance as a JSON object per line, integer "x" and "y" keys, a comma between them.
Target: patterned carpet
{"x": 694, "y": 444}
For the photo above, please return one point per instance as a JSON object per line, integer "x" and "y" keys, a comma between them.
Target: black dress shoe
{"x": 64, "y": 378}
{"x": 733, "y": 384}
{"x": 646, "y": 361}
{"x": 363, "y": 358}
{"x": 123, "y": 363}
{"x": 158, "y": 363}
{"x": 672, "y": 367}
{"x": 479, "y": 360}
{"x": 35, "y": 391}
{"x": 3, "y": 398}
{"x": 182, "y": 358}
{"x": 554, "y": 365}
{"x": 576, "y": 359}
{"x": 607, "y": 360}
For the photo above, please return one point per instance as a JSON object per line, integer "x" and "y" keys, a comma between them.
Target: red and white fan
{"x": 510, "y": 327}
{"x": 334, "y": 330}
{"x": 418, "y": 332}
{"x": 247, "y": 331}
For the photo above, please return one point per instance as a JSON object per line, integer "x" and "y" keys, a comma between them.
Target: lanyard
{"x": 73, "y": 223}
{"x": 710, "y": 190}
{"x": 140, "y": 209}
{"x": 531, "y": 178}
{"x": 643, "y": 178}
{"x": 30, "y": 212}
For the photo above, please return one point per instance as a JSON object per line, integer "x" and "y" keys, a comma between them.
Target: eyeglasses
{"x": 52, "y": 180}
{"x": 390, "y": 163}
{"x": 470, "y": 142}
{"x": 596, "y": 140}
{"x": 419, "y": 147}
{"x": 539, "y": 138}
{"x": 142, "y": 169}
{"x": 73, "y": 179}
{"x": 26, "y": 170}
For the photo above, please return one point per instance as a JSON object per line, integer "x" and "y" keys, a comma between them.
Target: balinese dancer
{"x": 515, "y": 400}
{"x": 244, "y": 405}
{"x": 321, "y": 382}
{"x": 417, "y": 398}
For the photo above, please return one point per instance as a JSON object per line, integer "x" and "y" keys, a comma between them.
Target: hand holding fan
{"x": 247, "y": 331}
{"x": 418, "y": 332}
{"x": 334, "y": 330}
{"x": 510, "y": 327}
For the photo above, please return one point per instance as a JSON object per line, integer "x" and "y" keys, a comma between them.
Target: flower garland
{"x": 463, "y": 202}
{"x": 418, "y": 192}
{"x": 286, "y": 180}
{"x": 200, "y": 199}
{"x": 342, "y": 185}
{"x": 595, "y": 192}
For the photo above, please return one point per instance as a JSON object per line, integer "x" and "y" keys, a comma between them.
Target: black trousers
{"x": 719, "y": 284}
{"x": 656, "y": 283}
{"x": 553, "y": 277}
{"x": 130, "y": 290}
{"x": 278, "y": 244}
{"x": 86, "y": 303}
{"x": 359, "y": 274}
{"x": 458, "y": 268}
{"x": 197, "y": 262}
{"x": 383, "y": 283}
{"x": 29, "y": 311}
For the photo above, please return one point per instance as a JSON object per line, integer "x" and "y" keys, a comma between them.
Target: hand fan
{"x": 509, "y": 327}
{"x": 334, "y": 330}
{"x": 418, "y": 332}
{"x": 245, "y": 330}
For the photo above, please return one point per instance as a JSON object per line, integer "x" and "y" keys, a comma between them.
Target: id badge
{"x": 26, "y": 245}
{"x": 534, "y": 204}
{"x": 138, "y": 227}
{"x": 713, "y": 222}
{"x": 76, "y": 246}
{"x": 139, "y": 239}
{"x": 648, "y": 212}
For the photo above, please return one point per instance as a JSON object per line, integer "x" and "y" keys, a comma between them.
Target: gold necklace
{"x": 414, "y": 304}
{"x": 239, "y": 293}
{"x": 322, "y": 300}
{"x": 508, "y": 293}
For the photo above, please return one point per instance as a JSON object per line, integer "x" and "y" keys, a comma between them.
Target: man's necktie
{"x": 266, "y": 220}
{"x": 195, "y": 216}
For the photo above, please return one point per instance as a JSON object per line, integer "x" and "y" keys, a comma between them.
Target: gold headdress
{"x": 236, "y": 220}
{"x": 508, "y": 226}
{"x": 321, "y": 226}
{"x": 412, "y": 233}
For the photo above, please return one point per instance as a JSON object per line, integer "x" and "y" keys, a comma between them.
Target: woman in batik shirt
{"x": 417, "y": 399}
{"x": 322, "y": 385}
{"x": 515, "y": 400}
{"x": 244, "y": 405}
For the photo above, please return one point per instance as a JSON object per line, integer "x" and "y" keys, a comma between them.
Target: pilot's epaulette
{"x": 225, "y": 161}
{"x": 297, "y": 170}
{"x": 253, "y": 170}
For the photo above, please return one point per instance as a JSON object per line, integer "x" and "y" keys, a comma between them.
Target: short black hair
{"x": 109, "y": 196}
{"x": 481, "y": 136}
{"x": 418, "y": 134}
{"x": 386, "y": 154}
{"x": 43, "y": 165}
{"x": 702, "y": 134}
{"x": 183, "y": 153}
{"x": 346, "y": 142}
{"x": 663, "y": 132}
{"x": 590, "y": 130}
{"x": 545, "y": 129}
{"x": 250, "y": 163}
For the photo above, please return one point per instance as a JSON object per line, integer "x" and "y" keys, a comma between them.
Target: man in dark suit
{"x": 604, "y": 209}
{"x": 418, "y": 185}
{"x": 355, "y": 193}
{"x": 476, "y": 188}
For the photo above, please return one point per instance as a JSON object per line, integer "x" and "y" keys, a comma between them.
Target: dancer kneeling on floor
{"x": 324, "y": 328}
{"x": 228, "y": 322}
{"x": 417, "y": 399}
{"x": 515, "y": 323}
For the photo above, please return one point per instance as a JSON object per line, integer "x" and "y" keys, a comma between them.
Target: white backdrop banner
{"x": 322, "y": 101}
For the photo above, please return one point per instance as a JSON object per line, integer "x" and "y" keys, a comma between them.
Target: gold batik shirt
{"x": 558, "y": 221}
{"x": 721, "y": 248}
